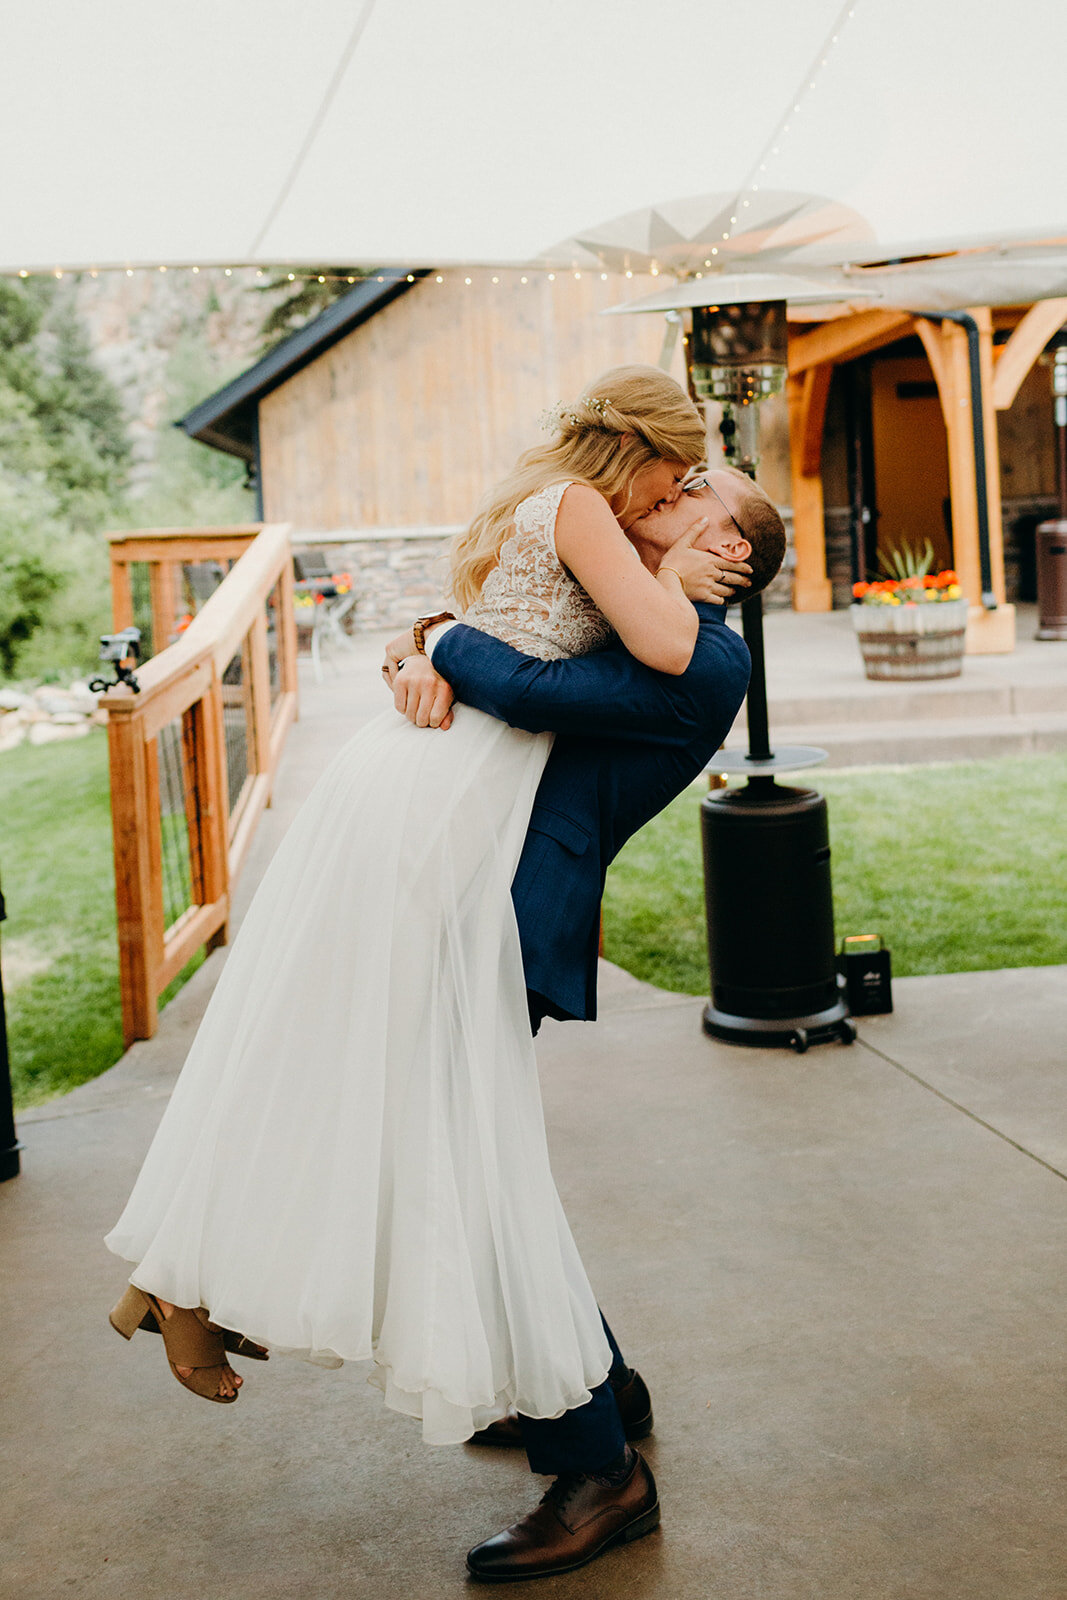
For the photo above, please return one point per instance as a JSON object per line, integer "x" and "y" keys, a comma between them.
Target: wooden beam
{"x": 816, "y": 382}
{"x": 1016, "y": 357}
{"x": 930, "y": 334}
{"x": 812, "y": 590}
{"x": 845, "y": 338}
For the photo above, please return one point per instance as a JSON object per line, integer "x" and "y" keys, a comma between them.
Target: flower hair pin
{"x": 559, "y": 416}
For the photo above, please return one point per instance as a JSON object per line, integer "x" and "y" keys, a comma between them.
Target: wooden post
{"x": 192, "y": 739}
{"x": 258, "y": 661}
{"x": 215, "y": 808}
{"x": 286, "y": 625}
{"x": 807, "y": 394}
{"x": 131, "y": 807}
{"x": 988, "y": 632}
{"x": 121, "y": 596}
{"x": 163, "y": 580}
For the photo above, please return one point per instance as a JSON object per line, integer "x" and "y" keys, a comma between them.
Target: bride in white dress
{"x": 353, "y": 1165}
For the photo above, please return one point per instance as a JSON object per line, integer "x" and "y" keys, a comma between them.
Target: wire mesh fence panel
{"x": 178, "y": 822}
{"x": 273, "y": 657}
{"x": 200, "y": 579}
{"x": 235, "y": 714}
{"x": 141, "y": 596}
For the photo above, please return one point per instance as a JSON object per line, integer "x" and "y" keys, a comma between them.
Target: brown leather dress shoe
{"x": 578, "y": 1519}
{"x": 635, "y": 1409}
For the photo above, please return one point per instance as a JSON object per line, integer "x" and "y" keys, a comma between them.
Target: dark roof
{"x": 228, "y": 418}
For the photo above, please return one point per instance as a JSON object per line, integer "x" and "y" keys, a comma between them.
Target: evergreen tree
{"x": 63, "y": 453}
{"x": 304, "y": 298}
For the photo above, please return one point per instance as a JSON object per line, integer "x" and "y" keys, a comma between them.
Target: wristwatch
{"x": 419, "y": 626}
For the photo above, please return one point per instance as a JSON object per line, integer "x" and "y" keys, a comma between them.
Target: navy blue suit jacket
{"x": 628, "y": 740}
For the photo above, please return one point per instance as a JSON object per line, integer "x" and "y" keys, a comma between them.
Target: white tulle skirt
{"x": 353, "y": 1165}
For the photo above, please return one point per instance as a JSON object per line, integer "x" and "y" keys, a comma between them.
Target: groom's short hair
{"x": 759, "y": 520}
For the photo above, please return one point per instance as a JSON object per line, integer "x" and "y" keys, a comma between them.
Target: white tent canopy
{"x": 411, "y": 133}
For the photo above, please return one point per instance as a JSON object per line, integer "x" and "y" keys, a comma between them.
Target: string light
{"x": 309, "y": 276}
{"x": 808, "y": 83}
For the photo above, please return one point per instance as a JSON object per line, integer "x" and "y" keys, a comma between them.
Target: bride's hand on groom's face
{"x": 422, "y": 695}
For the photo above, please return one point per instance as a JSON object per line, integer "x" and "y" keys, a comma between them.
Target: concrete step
{"x": 920, "y": 701}
{"x": 879, "y": 741}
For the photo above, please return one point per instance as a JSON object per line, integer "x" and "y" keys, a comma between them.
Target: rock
{"x": 12, "y": 732}
{"x": 56, "y": 702}
{"x": 49, "y": 732}
{"x": 12, "y": 699}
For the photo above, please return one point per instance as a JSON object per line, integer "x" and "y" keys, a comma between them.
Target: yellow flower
{"x": 953, "y": 591}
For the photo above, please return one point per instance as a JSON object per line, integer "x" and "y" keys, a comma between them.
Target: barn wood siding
{"x": 414, "y": 415}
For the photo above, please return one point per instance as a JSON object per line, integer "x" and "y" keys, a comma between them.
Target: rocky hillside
{"x": 167, "y": 339}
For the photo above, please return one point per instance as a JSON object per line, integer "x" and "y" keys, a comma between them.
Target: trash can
{"x": 1051, "y": 547}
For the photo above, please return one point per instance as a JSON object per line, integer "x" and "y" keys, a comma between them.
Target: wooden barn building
{"x": 379, "y": 425}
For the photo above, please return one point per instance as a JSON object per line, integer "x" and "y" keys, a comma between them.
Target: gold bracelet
{"x": 677, "y": 574}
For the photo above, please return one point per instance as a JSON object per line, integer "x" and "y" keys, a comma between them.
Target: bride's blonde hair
{"x": 626, "y": 420}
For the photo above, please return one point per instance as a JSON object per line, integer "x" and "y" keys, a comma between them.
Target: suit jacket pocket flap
{"x": 565, "y": 830}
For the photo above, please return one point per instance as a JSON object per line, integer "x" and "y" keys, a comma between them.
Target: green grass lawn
{"x": 960, "y": 868}
{"x": 58, "y": 947}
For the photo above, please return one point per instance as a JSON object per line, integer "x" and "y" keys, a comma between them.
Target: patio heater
{"x": 1050, "y": 538}
{"x": 770, "y": 914}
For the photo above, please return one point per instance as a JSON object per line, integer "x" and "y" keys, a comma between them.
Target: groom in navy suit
{"x": 629, "y": 740}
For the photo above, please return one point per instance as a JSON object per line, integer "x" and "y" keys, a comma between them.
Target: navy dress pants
{"x": 585, "y": 1439}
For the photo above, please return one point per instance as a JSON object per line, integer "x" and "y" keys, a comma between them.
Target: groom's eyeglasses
{"x": 705, "y": 483}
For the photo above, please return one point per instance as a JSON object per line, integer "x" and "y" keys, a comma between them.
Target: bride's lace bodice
{"x": 530, "y": 600}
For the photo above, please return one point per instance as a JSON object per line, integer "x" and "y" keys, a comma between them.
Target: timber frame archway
{"x": 813, "y": 354}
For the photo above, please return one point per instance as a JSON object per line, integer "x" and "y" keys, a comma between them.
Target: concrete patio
{"x": 841, "y": 1274}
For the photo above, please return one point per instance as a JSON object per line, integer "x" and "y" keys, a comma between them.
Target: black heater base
{"x": 820, "y": 1027}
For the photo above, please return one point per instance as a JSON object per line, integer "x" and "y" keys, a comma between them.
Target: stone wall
{"x": 400, "y": 573}
{"x": 397, "y": 574}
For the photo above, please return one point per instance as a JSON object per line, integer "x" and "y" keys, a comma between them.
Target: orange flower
{"x": 946, "y": 579}
{"x": 859, "y": 590}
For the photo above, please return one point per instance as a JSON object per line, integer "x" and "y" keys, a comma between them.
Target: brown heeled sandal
{"x": 236, "y": 1343}
{"x": 187, "y": 1341}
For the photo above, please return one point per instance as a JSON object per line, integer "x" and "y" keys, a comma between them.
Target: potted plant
{"x": 912, "y": 623}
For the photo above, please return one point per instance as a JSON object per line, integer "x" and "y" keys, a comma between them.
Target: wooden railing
{"x": 194, "y": 754}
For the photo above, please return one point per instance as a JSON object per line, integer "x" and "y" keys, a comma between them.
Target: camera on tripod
{"x": 121, "y": 648}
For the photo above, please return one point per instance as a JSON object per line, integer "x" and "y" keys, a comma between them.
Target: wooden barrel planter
{"x": 912, "y": 641}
